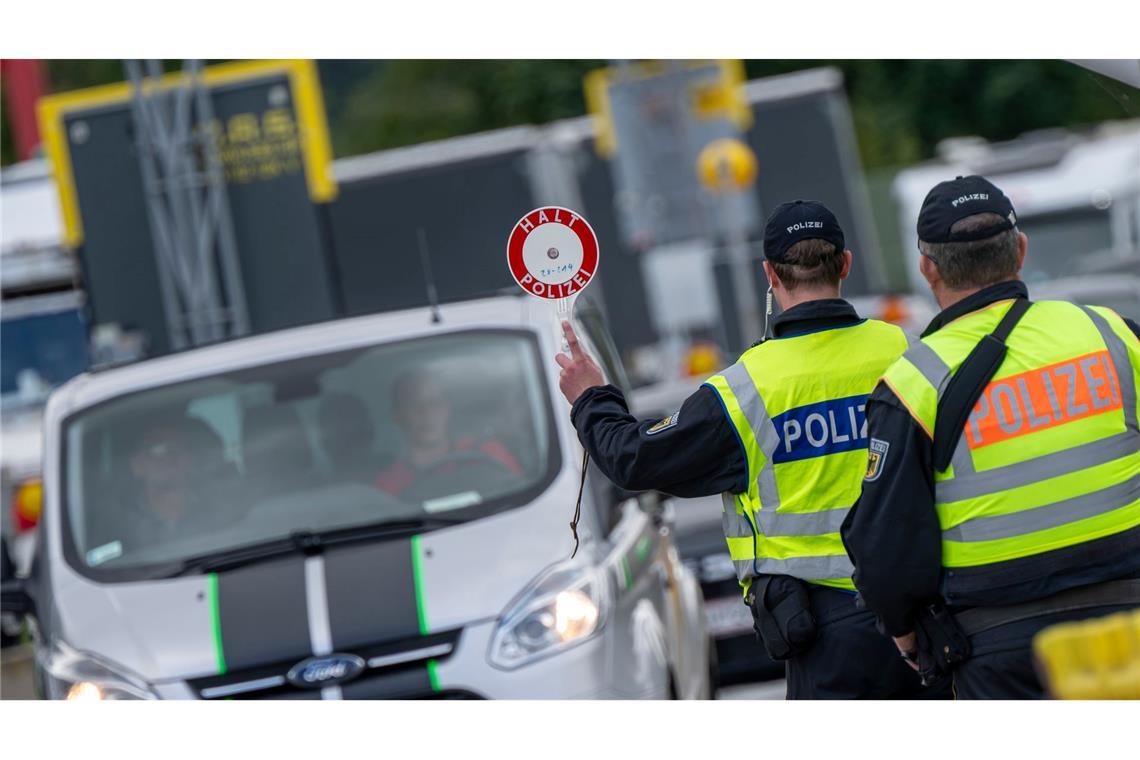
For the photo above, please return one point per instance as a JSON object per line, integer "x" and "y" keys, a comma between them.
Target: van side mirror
{"x": 14, "y": 596}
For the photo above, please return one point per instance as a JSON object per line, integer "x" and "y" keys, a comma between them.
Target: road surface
{"x": 762, "y": 690}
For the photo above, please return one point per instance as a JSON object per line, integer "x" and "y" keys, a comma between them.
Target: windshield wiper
{"x": 305, "y": 542}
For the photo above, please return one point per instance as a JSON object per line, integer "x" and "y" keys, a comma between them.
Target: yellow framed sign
{"x": 266, "y": 133}
{"x": 715, "y": 91}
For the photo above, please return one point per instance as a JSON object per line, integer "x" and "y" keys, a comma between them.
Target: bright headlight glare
{"x": 561, "y": 609}
{"x": 84, "y": 691}
{"x": 81, "y": 677}
{"x": 575, "y": 615}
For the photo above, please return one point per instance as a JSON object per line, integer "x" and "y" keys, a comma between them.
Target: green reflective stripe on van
{"x": 418, "y": 580}
{"x": 433, "y": 675}
{"x": 215, "y": 620}
{"x": 642, "y": 548}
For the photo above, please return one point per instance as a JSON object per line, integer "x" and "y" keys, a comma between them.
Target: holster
{"x": 942, "y": 643}
{"x": 781, "y": 615}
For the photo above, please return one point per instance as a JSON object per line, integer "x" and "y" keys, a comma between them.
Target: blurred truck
{"x": 1077, "y": 195}
{"x": 43, "y": 343}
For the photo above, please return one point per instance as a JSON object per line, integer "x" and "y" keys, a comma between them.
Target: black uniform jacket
{"x": 892, "y": 534}
{"x": 696, "y": 451}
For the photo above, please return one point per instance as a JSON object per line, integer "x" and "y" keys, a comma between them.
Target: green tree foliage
{"x": 901, "y": 108}
{"x": 410, "y": 101}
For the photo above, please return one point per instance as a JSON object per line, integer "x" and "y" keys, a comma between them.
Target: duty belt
{"x": 1109, "y": 594}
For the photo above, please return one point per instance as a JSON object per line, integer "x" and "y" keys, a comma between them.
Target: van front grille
{"x": 393, "y": 670}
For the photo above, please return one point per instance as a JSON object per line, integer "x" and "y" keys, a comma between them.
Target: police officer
{"x": 1032, "y": 514}
{"x": 781, "y": 435}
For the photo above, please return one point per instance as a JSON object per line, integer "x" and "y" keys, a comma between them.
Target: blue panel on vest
{"x": 826, "y": 427}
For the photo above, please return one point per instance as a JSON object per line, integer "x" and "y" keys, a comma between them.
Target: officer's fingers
{"x": 563, "y": 360}
{"x": 571, "y": 340}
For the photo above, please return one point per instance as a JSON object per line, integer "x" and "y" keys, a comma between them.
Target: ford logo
{"x": 326, "y": 670}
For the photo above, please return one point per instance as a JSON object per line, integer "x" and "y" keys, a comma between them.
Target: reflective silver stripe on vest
{"x": 1048, "y": 516}
{"x": 962, "y": 459}
{"x": 763, "y": 430}
{"x": 806, "y": 568}
{"x": 744, "y": 568}
{"x": 929, "y": 364}
{"x": 735, "y": 524}
{"x": 770, "y": 522}
{"x": 1125, "y": 372}
{"x": 1053, "y": 465}
{"x": 800, "y": 524}
{"x": 809, "y": 568}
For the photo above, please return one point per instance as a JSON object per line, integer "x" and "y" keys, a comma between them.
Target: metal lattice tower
{"x": 198, "y": 268}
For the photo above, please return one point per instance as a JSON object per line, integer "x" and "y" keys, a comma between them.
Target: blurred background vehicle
{"x": 43, "y": 342}
{"x": 230, "y": 509}
{"x": 1077, "y": 196}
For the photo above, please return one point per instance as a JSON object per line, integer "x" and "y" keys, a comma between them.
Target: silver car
{"x": 368, "y": 508}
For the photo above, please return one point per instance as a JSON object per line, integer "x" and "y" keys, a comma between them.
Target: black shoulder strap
{"x": 965, "y": 388}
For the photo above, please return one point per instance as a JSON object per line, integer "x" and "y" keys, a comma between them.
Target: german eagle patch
{"x": 665, "y": 424}
{"x": 876, "y": 455}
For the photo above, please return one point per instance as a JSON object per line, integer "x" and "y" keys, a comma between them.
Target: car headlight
{"x": 76, "y": 676}
{"x": 562, "y": 608}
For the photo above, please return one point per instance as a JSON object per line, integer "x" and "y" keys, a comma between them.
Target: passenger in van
{"x": 175, "y": 463}
{"x": 347, "y": 436}
{"x": 422, "y": 411}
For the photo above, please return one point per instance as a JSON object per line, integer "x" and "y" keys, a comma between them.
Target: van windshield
{"x": 455, "y": 427}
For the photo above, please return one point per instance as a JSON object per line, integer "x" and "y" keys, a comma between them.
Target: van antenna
{"x": 429, "y": 279}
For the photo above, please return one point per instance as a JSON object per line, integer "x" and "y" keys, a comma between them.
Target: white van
{"x": 368, "y": 508}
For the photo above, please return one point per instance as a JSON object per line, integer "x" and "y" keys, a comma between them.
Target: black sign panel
{"x": 800, "y": 146}
{"x": 278, "y": 229}
{"x": 465, "y": 209}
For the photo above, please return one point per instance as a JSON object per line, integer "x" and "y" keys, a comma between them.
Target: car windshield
{"x": 1060, "y": 243}
{"x": 456, "y": 427}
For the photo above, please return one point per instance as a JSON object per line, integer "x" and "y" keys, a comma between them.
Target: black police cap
{"x": 953, "y": 200}
{"x": 799, "y": 220}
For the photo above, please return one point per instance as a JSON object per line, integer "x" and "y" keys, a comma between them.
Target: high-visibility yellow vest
{"x": 798, "y": 405}
{"x": 1050, "y": 456}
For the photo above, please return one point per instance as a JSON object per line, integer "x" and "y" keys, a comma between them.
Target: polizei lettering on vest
{"x": 1043, "y": 398}
{"x": 825, "y": 427}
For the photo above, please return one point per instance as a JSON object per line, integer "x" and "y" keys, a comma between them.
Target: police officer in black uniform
{"x": 697, "y": 452}
{"x": 894, "y": 535}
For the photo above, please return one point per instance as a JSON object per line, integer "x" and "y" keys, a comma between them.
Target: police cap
{"x": 953, "y": 200}
{"x": 799, "y": 220}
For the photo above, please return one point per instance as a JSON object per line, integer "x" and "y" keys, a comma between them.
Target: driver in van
{"x": 422, "y": 411}
{"x": 172, "y": 462}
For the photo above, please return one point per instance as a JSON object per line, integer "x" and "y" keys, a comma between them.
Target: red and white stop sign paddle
{"x": 552, "y": 253}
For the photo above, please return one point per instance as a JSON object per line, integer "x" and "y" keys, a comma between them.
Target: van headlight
{"x": 564, "y": 607}
{"x": 79, "y": 677}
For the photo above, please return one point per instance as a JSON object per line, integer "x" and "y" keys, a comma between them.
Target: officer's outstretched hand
{"x": 579, "y": 371}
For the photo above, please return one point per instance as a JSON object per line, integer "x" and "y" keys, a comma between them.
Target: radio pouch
{"x": 781, "y": 614}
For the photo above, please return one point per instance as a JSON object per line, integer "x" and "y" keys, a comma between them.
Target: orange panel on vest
{"x": 1043, "y": 398}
